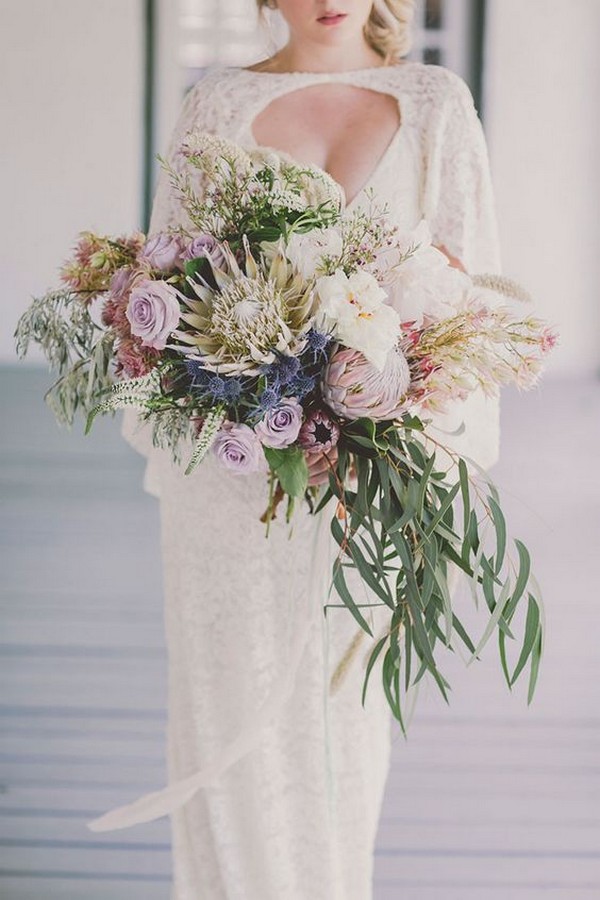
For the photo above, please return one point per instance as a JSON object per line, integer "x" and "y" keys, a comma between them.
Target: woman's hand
{"x": 453, "y": 260}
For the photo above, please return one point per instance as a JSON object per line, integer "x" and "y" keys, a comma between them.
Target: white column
{"x": 70, "y": 137}
{"x": 542, "y": 79}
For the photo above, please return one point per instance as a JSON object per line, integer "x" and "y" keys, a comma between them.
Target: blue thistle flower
{"x": 301, "y": 385}
{"x": 284, "y": 370}
{"x": 216, "y": 385}
{"x": 317, "y": 342}
{"x": 269, "y": 398}
{"x": 197, "y": 372}
{"x": 232, "y": 390}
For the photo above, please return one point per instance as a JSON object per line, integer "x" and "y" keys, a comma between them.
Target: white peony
{"x": 424, "y": 286}
{"x": 354, "y": 309}
{"x": 305, "y": 251}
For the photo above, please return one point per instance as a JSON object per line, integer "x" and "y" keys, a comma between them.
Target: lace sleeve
{"x": 165, "y": 214}
{"x": 460, "y": 198}
{"x": 460, "y": 208}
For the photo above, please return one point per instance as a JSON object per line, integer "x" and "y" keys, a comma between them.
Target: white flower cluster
{"x": 355, "y": 310}
{"x": 215, "y": 156}
{"x": 421, "y": 284}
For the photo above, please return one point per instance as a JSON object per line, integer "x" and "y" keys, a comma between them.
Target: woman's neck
{"x": 316, "y": 58}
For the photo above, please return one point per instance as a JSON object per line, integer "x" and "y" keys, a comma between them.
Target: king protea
{"x": 250, "y": 317}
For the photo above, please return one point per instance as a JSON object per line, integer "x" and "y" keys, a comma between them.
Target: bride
{"x": 276, "y": 770}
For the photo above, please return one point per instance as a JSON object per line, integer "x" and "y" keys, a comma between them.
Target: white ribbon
{"x": 163, "y": 802}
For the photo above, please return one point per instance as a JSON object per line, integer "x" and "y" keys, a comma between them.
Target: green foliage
{"x": 403, "y": 532}
{"x": 291, "y": 469}
{"x": 78, "y": 351}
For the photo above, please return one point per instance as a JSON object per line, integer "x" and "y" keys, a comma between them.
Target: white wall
{"x": 542, "y": 82}
{"x": 70, "y": 136}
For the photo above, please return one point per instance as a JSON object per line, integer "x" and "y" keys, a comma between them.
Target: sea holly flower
{"x": 354, "y": 308}
{"x": 284, "y": 370}
{"x": 153, "y": 312}
{"x": 280, "y": 426}
{"x": 319, "y": 433}
{"x": 302, "y": 385}
{"x": 354, "y": 388}
{"x": 238, "y": 448}
{"x": 317, "y": 343}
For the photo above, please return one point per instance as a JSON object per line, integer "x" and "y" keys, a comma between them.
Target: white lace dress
{"x": 276, "y": 779}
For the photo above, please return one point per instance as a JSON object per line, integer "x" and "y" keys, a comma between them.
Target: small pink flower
{"x": 549, "y": 340}
{"x": 133, "y": 359}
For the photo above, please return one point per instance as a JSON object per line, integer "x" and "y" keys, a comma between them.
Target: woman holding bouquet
{"x": 276, "y": 769}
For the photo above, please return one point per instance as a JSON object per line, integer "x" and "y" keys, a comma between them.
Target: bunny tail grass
{"x": 502, "y": 285}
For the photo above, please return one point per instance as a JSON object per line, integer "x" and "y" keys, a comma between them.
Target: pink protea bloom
{"x": 319, "y": 433}
{"x": 354, "y": 388}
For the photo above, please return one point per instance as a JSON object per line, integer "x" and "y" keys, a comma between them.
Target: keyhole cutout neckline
{"x": 338, "y": 77}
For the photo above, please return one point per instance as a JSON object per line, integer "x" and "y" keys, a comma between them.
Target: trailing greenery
{"x": 404, "y": 526}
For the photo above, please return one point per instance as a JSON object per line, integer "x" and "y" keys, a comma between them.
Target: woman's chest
{"x": 343, "y": 129}
{"x": 366, "y": 139}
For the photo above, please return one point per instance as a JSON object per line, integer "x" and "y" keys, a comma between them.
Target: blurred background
{"x": 489, "y": 798}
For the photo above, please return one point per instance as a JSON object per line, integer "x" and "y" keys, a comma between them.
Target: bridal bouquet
{"x": 311, "y": 348}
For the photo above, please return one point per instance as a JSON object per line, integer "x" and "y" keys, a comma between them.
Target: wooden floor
{"x": 486, "y": 800}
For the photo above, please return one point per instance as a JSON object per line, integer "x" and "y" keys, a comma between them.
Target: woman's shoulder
{"x": 222, "y": 90}
{"x": 217, "y": 93}
{"x": 432, "y": 81}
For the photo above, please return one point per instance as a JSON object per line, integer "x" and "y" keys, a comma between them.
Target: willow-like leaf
{"x": 500, "y": 527}
{"x": 340, "y": 585}
{"x": 493, "y": 620}
{"x": 532, "y": 632}
{"x": 372, "y": 660}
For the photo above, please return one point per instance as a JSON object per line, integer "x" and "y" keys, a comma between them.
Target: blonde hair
{"x": 388, "y": 29}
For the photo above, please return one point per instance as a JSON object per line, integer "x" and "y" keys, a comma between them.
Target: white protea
{"x": 250, "y": 317}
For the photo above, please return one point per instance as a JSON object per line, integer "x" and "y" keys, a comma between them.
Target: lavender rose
{"x": 121, "y": 281}
{"x": 354, "y": 388}
{"x": 281, "y": 425}
{"x": 238, "y": 449}
{"x": 205, "y": 245}
{"x": 163, "y": 251}
{"x": 153, "y": 312}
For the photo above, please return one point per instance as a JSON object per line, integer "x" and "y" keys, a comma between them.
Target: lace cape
{"x": 457, "y": 199}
